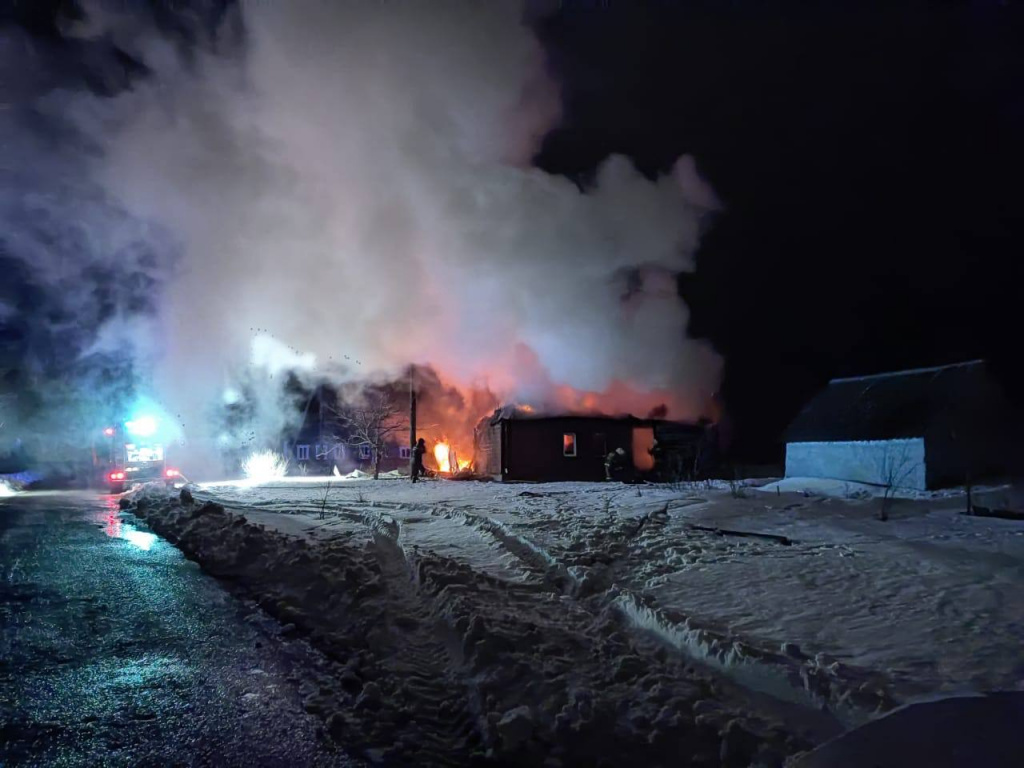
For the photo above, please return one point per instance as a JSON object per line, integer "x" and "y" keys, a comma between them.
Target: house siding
{"x": 532, "y": 448}
{"x": 487, "y": 449}
{"x": 860, "y": 461}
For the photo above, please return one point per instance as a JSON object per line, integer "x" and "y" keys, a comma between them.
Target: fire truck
{"x": 133, "y": 452}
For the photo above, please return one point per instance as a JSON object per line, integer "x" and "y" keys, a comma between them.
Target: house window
{"x": 569, "y": 444}
{"x": 302, "y": 452}
{"x": 364, "y": 451}
{"x": 404, "y": 452}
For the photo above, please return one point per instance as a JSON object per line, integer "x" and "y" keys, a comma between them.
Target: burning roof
{"x": 518, "y": 411}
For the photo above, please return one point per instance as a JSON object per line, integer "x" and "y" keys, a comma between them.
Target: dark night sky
{"x": 868, "y": 154}
{"x": 870, "y": 161}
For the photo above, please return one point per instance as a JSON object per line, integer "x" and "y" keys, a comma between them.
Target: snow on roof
{"x": 521, "y": 413}
{"x": 907, "y": 372}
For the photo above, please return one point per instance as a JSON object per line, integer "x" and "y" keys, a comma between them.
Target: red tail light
{"x": 118, "y": 475}
{"x": 172, "y": 473}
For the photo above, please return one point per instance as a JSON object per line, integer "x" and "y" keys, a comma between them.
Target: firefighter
{"x": 615, "y": 464}
{"x": 417, "y": 458}
{"x": 657, "y": 454}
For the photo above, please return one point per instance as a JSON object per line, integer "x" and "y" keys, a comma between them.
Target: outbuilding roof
{"x": 891, "y": 405}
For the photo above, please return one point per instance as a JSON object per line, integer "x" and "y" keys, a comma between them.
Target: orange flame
{"x": 447, "y": 457}
{"x": 441, "y": 452}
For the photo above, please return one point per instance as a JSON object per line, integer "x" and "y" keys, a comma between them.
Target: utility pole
{"x": 320, "y": 426}
{"x": 412, "y": 417}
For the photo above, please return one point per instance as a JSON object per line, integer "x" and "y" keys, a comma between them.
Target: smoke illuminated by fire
{"x": 353, "y": 180}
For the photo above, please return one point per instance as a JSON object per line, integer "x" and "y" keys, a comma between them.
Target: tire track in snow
{"x": 852, "y": 696}
{"x": 804, "y": 683}
{"x": 421, "y": 660}
{"x": 419, "y": 654}
{"x": 577, "y": 642}
{"x": 534, "y": 558}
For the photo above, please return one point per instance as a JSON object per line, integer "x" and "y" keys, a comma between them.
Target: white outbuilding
{"x": 919, "y": 429}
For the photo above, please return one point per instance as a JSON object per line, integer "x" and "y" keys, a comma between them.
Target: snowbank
{"x": 449, "y": 649}
{"x": 10, "y": 484}
{"x": 802, "y": 611}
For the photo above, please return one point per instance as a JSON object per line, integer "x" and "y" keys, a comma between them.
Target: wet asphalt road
{"x": 116, "y": 651}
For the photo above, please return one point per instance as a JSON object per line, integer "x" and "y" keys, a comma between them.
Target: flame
{"x": 446, "y": 456}
{"x": 441, "y": 452}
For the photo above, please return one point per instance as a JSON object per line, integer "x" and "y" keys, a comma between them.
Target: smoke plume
{"x": 347, "y": 190}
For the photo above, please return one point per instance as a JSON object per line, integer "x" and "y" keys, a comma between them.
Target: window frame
{"x": 302, "y": 451}
{"x": 404, "y": 452}
{"x": 575, "y": 445}
{"x": 365, "y": 451}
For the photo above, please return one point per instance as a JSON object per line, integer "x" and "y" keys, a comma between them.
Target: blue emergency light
{"x": 143, "y": 426}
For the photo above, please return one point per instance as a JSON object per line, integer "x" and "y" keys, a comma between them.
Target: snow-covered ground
{"x": 932, "y": 598}
{"x": 782, "y": 594}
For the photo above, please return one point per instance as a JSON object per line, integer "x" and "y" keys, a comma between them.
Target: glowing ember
{"x": 265, "y": 465}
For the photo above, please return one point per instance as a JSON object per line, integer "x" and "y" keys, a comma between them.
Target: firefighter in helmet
{"x": 615, "y": 464}
{"x": 417, "y": 458}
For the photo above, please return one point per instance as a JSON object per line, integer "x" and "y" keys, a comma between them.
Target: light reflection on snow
{"x": 252, "y": 482}
{"x": 262, "y": 466}
{"x": 6, "y": 490}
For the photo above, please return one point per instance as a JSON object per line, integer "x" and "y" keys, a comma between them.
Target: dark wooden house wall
{"x": 532, "y": 449}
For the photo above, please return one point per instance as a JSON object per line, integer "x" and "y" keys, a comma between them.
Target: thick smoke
{"x": 351, "y": 183}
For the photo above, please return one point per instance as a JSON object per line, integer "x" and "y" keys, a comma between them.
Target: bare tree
{"x": 895, "y": 466}
{"x": 325, "y": 489}
{"x": 373, "y": 422}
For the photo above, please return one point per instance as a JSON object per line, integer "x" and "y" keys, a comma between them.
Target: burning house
{"x": 330, "y": 434}
{"x": 323, "y": 440}
{"x": 516, "y": 443}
